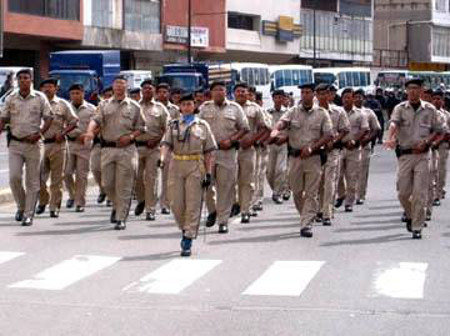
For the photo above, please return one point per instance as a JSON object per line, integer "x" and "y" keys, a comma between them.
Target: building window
{"x": 102, "y": 13}
{"x": 241, "y": 21}
{"x": 440, "y": 5}
{"x": 58, "y": 9}
{"x": 329, "y": 5}
{"x": 143, "y": 16}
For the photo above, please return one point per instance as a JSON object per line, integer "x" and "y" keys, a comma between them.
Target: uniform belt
{"x": 97, "y": 141}
{"x": 141, "y": 143}
{"x": 196, "y": 157}
{"x": 111, "y": 144}
{"x": 73, "y": 139}
{"x": 49, "y": 141}
{"x": 12, "y": 137}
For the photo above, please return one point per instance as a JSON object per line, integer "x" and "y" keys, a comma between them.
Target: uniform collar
{"x": 83, "y": 105}
{"x": 302, "y": 108}
{"x": 226, "y": 102}
{"x": 422, "y": 105}
{"x": 32, "y": 94}
{"x": 151, "y": 102}
{"x": 126, "y": 100}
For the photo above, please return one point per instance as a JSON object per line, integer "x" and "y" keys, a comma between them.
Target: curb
{"x": 6, "y": 195}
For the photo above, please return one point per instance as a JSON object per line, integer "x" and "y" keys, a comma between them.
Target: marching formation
{"x": 157, "y": 144}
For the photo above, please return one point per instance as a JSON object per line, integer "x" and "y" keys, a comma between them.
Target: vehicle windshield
{"x": 186, "y": 82}
{"x": 292, "y": 77}
{"x": 327, "y": 78}
{"x": 391, "y": 80}
{"x": 66, "y": 80}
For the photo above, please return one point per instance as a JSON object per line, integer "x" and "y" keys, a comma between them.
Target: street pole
{"x": 314, "y": 38}
{"x": 189, "y": 47}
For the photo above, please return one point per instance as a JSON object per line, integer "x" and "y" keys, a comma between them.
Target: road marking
{"x": 67, "y": 272}
{"x": 285, "y": 278}
{"x": 173, "y": 277}
{"x": 405, "y": 280}
{"x": 7, "y": 256}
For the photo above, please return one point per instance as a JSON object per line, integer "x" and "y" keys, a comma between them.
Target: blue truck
{"x": 95, "y": 69}
{"x": 195, "y": 76}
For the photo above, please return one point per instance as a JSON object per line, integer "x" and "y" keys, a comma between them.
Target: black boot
{"x": 40, "y": 209}
{"x": 139, "y": 209}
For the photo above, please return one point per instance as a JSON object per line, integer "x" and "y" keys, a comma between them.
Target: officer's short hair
{"x": 217, "y": 83}
{"x": 278, "y": 93}
{"x": 163, "y": 85}
{"x": 322, "y": 87}
{"x": 24, "y": 72}
{"x": 49, "y": 80}
{"x": 198, "y": 92}
{"x": 240, "y": 85}
{"x": 258, "y": 95}
{"x": 176, "y": 91}
{"x": 134, "y": 91}
{"x": 428, "y": 91}
{"x": 76, "y": 87}
{"x": 147, "y": 81}
{"x": 120, "y": 77}
{"x": 347, "y": 90}
{"x": 107, "y": 89}
{"x": 187, "y": 97}
{"x": 310, "y": 86}
{"x": 252, "y": 89}
{"x": 360, "y": 92}
{"x": 438, "y": 92}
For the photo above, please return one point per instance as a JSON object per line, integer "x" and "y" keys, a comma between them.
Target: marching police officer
{"x": 24, "y": 111}
{"x": 192, "y": 143}
{"x": 53, "y": 162}
{"x": 309, "y": 128}
{"x": 247, "y": 153}
{"x": 330, "y": 170}
{"x": 120, "y": 121}
{"x": 163, "y": 96}
{"x": 277, "y": 165}
{"x": 366, "y": 148}
{"x": 228, "y": 124}
{"x": 157, "y": 117}
{"x": 414, "y": 127}
{"x": 78, "y": 153}
{"x": 351, "y": 155}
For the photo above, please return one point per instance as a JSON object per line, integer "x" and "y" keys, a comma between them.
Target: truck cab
{"x": 188, "y": 77}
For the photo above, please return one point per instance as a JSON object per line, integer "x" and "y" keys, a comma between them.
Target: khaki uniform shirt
{"x": 374, "y": 124}
{"x": 255, "y": 116}
{"x": 224, "y": 120}
{"x": 26, "y": 114}
{"x": 415, "y": 126}
{"x": 306, "y": 127}
{"x": 193, "y": 139}
{"x": 63, "y": 117}
{"x": 339, "y": 119}
{"x": 156, "y": 120}
{"x": 276, "y": 115}
{"x": 85, "y": 113}
{"x": 117, "y": 119}
{"x": 174, "y": 110}
{"x": 358, "y": 122}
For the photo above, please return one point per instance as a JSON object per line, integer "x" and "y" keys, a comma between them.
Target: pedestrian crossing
{"x": 283, "y": 278}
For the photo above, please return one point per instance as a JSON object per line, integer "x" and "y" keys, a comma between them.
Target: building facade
{"x": 337, "y": 33}
{"x": 34, "y": 28}
{"x": 412, "y": 34}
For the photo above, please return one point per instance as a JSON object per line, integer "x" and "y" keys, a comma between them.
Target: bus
{"x": 395, "y": 79}
{"x": 289, "y": 77}
{"x": 356, "y": 78}
{"x": 254, "y": 74}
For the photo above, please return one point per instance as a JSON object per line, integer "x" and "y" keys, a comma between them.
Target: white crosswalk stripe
{"x": 285, "y": 278}
{"x": 66, "y": 273}
{"x": 7, "y": 256}
{"x": 173, "y": 277}
{"x": 405, "y": 280}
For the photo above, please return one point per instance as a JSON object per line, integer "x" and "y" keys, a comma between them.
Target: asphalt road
{"x": 362, "y": 276}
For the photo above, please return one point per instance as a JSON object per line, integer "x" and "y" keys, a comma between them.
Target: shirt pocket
{"x": 424, "y": 129}
{"x": 230, "y": 122}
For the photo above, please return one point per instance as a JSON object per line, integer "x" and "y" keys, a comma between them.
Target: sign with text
{"x": 179, "y": 35}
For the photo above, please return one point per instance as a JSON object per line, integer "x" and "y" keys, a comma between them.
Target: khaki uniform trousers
{"x": 118, "y": 177}
{"x": 361, "y": 192}
{"x": 20, "y": 154}
{"x": 52, "y": 166}
{"x": 96, "y": 166}
{"x": 185, "y": 194}
{"x": 262, "y": 158}
{"x": 433, "y": 179}
{"x": 164, "y": 200}
{"x": 221, "y": 196}
{"x": 328, "y": 183}
{"x": 147, "y": 177}
{"x": 349, "y": 175}
{"x": 442, "y": 175}
{"x": 77, "y": 165}
{"x": 412, "y": 185}
{"x": 304, "y": 180}
{"x": 246, "y": 178}
{"x": 277, "y": 169}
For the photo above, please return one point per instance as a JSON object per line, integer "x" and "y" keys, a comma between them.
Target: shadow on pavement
{"x": 377, "y": 240}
